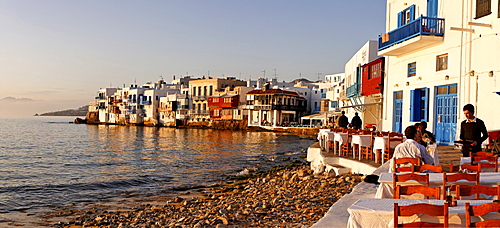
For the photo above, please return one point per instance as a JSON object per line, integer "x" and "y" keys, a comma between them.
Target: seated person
{"x": 411, "y": 149}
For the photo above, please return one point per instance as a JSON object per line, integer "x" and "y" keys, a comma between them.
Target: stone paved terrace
{"x": 338, "y": 216}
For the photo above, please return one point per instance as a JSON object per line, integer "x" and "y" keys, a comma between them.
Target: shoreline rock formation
{"x": 288, "y": 197}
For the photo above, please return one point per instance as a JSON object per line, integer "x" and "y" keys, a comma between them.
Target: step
{"x": 334, "y": 170}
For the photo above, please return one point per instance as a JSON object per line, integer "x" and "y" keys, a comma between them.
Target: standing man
{"x": 473, "y": 130}
{"x": 356, "y": 122}
{"x": 343, "y": 121}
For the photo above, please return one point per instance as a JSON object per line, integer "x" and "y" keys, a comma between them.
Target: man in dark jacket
{"x": 472, "y": 130}
{"x": 356, "y": 122}
{"x": 343, "y": 121}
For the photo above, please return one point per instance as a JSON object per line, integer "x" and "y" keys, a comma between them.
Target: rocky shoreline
{"x": 289, "y": 196}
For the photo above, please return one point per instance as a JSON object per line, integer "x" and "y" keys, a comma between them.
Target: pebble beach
{"x": 288, "y": 196}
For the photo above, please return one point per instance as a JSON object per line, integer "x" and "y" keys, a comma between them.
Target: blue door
{"x": 432, "y": 8}
{"x": 445, "y": 127}
{"x": 397, "y": 125}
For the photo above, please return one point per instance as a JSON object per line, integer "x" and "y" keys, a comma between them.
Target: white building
{"x": 352, "y": 100}
{"x": 441, "y": 55}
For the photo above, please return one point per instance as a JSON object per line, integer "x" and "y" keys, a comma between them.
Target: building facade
{"x": 441, "y": 55}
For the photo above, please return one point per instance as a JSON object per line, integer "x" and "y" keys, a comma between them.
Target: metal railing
{"x": 418, "y": 27}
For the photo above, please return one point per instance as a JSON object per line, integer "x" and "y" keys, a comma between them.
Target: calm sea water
{"x": 48, "y": 162}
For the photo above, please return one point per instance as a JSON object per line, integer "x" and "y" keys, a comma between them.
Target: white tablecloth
{"x": 385, "y": 189}
{"x": 361, "y": 141}
{"x": 370, "y": 212}
{"x": 340, "y": 138}
{"x": 380, "y": 143}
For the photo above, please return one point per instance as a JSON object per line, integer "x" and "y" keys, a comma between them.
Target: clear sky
{"x": 56, "y": 54}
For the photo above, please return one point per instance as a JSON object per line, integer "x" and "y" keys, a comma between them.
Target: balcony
{"x": 144, "y": 102}
{"x": 288, "y": 107}
{"x": 198, "y": 98}
{"x": 353, "y": 90}
{"x": 420, "y": 33}
{"x": 200, "y": 112}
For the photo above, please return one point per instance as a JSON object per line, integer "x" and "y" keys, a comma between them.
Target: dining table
{"x": 339, "y": 137}
{"x": 372, "y": 212}
{"x": 380, "y": 143}
{"x": 361, "y": 141}
{"x": 386, "y": 190}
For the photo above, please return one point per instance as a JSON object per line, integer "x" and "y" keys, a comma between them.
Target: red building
{"x": 373, "y": 77}
{"x": 223, "y": 107}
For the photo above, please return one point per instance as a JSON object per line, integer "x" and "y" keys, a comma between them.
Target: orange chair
{"x": 469, "y": 190}
{"x": 345, "y": 147}
{"x": 433, "y": 168}
{"x": 480, "y": 210}
{"x": 476, "y": 168}
{"x": 412, "y": 189}
{"x": 401, "y": 161}
{"x": 454, "y": 177}
{"x": 392, "y": 137}
{"x": 367, "y": 151}
{"x": 432, "y": 210}
{"x": 481, "y": 153}
{"x": 477, "y": 159}
{"x": 422, "y": 178}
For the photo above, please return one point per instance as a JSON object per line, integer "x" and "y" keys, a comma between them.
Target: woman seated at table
{"x": 412, "y": 149}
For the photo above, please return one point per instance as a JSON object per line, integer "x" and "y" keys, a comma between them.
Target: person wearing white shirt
{"x": 412, "y": 149}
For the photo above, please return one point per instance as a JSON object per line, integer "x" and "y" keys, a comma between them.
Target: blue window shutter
{"x": 415, "y": 107}
{"x": 400, "y": 19}
{"x": 412, "y": 12}
{"x": 426, "y": 105}
{"x": 412, "y": 105}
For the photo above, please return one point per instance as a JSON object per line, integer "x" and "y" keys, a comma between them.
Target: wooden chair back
{"x": 454, "y": 177}
{"x": 430, "y": 209}
{"x": 409, "y": 190}
{"x": 481, "y": 153}
{"x": 469, "y": 190}
{"x": 476, "y": 159}
{"x": 480, "y": 210}
{"x": 433, "y": 168}
{"x": 402, "y": 161}
{"x": 391, "y": 137}
{"x": 410, "y": 176}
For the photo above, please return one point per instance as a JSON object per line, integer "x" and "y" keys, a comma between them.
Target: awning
{"x": 358, "y": 105}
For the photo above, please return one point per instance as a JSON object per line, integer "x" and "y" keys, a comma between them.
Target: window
{"x": 215, "y": 100}
{"x": 483, "y": 8}
{"x": 406, "y": 16}
{"x": 442, "y": 62}
{"x": 412, "y": 69}
{"x": 419, "y": 105}
{"x": 375, "y": 71}
{"x": 498, "y": 8}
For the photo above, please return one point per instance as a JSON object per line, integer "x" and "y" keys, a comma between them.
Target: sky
{"x": 56, "y": 54}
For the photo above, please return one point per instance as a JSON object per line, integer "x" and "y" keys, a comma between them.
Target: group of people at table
{"x": 417, "y": 192}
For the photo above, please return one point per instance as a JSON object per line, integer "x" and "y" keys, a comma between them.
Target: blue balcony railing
{"x": 418, "y": 27}
{"x": 144, "y": 102}
{"x": 353, "y": 90}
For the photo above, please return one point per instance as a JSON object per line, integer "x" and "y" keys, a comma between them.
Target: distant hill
{"x": 81, "y": 111}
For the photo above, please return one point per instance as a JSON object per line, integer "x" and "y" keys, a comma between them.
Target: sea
{"x": 48, "y": 163}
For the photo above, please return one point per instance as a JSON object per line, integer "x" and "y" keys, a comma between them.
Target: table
{"x": 380, "y": 143}
{"x": 385, "y": 189}
{"x": 324, "y": 137}
{"x": 361, "y": 141}
{"x": 340, "y": 138}
{"x": 371, "y": 212}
